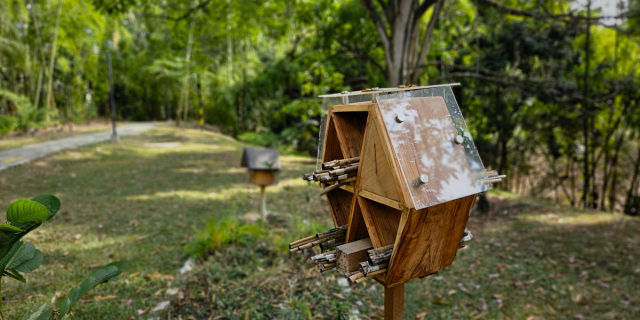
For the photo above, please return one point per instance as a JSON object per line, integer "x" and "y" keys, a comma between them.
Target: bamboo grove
{"x": 549, "y": 88}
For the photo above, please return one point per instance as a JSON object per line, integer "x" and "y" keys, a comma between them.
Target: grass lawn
{"x": 143, "y": 202}
{"x": 15, "y": 140}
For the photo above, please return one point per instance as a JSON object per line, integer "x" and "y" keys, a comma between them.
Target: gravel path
{"x": 14, "y": 157}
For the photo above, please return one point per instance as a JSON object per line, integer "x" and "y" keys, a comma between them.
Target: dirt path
{"x": 14, "y": 157}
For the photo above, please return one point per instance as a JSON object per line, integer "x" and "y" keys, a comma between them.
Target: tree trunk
{"x": 404, "y": 54}
{"x": 614, "y": 172}
{"x": 184, "y": 93}
{"x": 54, "y": 46}
{"x": 632, "y": 188}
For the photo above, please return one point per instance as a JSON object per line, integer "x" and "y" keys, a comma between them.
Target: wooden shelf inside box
{"x": 340, "y": 202}
{"x": 344, "y": 139}
{"x": 350, "y": 127}
{"x": 382, "y": 221}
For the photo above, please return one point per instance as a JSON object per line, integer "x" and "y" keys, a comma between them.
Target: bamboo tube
{"x": 331, "y": 245}
{"x": 356, "y": 276}
{"x": 338, "y": 172}
{"x": 338, "y": 185}
{"x": 337, "y": 178}
{"x": 303, "y": 240}
{"x": 376, "y": 268}
{"x": 370, "y": 276}
{"x": 349, "y": 274}
{"x": 323, "y": 234}
{"x": 373, "y": 252}
{"x": 380, "y": 258}
{"x": 340, "y": 162}
{"x": 329, "y": 238}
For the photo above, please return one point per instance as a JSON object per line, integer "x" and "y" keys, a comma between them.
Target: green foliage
{"x": 19, "y": 257}
{"x": 221, "y": 233}
{"x": 7, "y": 124}
{"x": 27, "y": 211}
{"x": 110, "y": 272}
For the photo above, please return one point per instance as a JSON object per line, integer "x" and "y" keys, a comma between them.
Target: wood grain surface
{"x": 350, "y": 128}
{"x": 382, "y": 221}
{"x": 340, "y": 206}
{"x": 428, "y": 240}
{"x": 375, "y": 171}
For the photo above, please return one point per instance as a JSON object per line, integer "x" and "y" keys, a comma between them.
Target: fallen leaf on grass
{"x": 103, "y": 298}
{"x": 421, "y": 315}
{"x": 442, "y": 302}
{"x": 550, "y": 310}
{"x": 452, "y": 292}
{"x": 339, "y": 296}
{"x": 576, "y": 298}
{"x": 499, "y": 296}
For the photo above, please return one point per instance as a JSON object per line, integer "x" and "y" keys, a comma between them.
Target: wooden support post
{"x": 263, "y": 199}
{"x": 394, "y": 302}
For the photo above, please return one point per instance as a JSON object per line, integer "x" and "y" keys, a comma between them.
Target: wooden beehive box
{"x": 418, "y": 177}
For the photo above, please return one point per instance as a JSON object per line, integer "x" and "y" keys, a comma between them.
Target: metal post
{"x": 114, "y": 136}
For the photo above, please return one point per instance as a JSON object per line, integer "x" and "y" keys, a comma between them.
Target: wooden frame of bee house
{"x": 417, "y": 181}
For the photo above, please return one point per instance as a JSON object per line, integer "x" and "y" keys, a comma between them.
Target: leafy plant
{"x": 219, "y": 233}
{"x": 7, "y": 124}
{"x": 18, "y": 257}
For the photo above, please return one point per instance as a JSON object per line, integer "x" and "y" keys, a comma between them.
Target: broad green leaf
{"x": 108, "y": 273}
{"x": 24, "y": 253}
{"x": 27, "y": 211}
{"x": 11, "y": 273}
{"x": 10, "y": 253}
{"x": 14, "y": 239}
{"x": 7, "y": 228}
{"x": 71, "y": 298}
{"x": 35, "y": 313}
{"x": 52, "y": 203}
{"x": 31, "y": 264}
{"x": 4, "y": 239}
{"x": 46, "y": 315}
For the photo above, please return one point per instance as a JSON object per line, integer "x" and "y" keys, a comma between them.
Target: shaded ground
{"x": 144, "y": 199}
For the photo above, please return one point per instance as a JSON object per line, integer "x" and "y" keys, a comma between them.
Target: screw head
{"x": 399, "y": 118}
{"x": 423, "y": 178}
{"x": 459, "y": 139}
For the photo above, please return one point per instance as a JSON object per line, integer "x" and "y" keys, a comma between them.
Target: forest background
{"x": 548, "y": 88}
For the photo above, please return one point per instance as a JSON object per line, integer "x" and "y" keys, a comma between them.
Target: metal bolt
{"x": 423, "y": 178}
{"x": 375, "y": 88}
{"x": 459, "y": 139}
{"x": 399, "y": 118}
{"x": 344, "y": 92}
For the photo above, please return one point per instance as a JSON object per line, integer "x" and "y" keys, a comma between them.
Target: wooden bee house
{"x": 262, "y": 163}
{"x": 417, "y": 180}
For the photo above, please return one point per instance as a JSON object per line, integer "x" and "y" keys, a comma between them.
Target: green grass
{"x": 132, "y": 201}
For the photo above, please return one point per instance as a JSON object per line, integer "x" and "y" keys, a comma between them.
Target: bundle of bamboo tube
{"x": 325, "y": 261}
{"x": 379, "y": 256}
{"x": 335, "y": 173}
{"x": 326, "y": 239}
